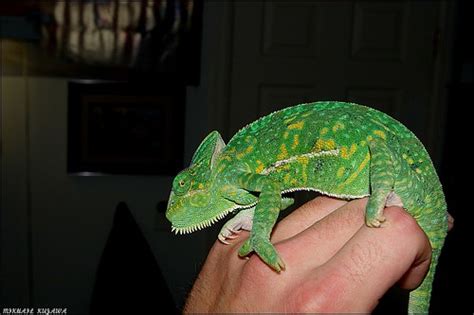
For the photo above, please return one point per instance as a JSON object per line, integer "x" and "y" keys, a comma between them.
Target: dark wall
{"x": 452, "y": 290}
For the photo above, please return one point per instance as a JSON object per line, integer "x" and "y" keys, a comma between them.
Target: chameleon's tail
{"x": 419, "y": 301}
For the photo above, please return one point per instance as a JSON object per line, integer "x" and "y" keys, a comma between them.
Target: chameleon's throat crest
{"x": 207, "y": 223}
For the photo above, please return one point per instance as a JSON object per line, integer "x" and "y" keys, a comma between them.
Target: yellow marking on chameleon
{"x": 418, "y": 171}
{"x": 285, "y": 167}
{"x": 338, "y": 126}
{"x": 221, "y": 168}
{"x": 303, "y": 159}
{"x": 260, "y": 167}
{"x": 306, "y": 114}
{"x": 354, "y": 175}
{"x": 340, "y": 171}
{"x": 330, "y": 144}
{"x": 226, "y": 157}
{"x": 285, "y": 135}
{"x": 323, "y": 145}
{"x": 296, "y": 141}
{"x": 305, "y": 175}
{"x": 319, "y": 145}
{"x": 240, "y": 155}
{"x": 323, "y": 131}
{"x": 353, "y": 149}
{"x": 298, "y": 125}
{"x": 345, "y": 154}
{"x": 420, "y": 161}
{"x": 410, "y": 161}
{"x": 250, "y": 139}
{"x": 404, "y": 156}
{"x": 363, "y": 143}
{"x": 380, "y": 133}
{"x": 200, "y": 186}
{"x": 382, "y": 125}
{"x": 283, "y": 152}
{"x": 370, "y": 138}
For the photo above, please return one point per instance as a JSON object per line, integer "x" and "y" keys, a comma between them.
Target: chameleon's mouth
{"x": 200, "y": 225}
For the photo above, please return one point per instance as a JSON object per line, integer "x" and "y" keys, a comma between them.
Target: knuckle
{"x": 319, "y": 296}
{"x": 404, "y": 222}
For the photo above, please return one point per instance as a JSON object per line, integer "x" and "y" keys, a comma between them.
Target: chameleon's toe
{"x": 265, "y": 250}
{"x": 374, "y": 212}
{"x": 222, "y": 239}
{"x": 374, "y": 222}
{"x": 228, "y": 233}
{"x": 246, "y": 248}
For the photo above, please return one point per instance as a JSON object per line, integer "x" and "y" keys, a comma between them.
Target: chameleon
{"x": 339, "y": 149}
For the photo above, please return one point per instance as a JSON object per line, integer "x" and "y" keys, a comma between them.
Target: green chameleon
{"x": 339, "y": 149}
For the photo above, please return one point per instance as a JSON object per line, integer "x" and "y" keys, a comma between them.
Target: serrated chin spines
{"x": 201, "y": 225}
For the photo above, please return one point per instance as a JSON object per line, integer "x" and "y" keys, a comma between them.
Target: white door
{"x": 375, "y": 53}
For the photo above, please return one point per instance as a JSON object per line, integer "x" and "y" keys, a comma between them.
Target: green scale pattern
{"x": 340, "y": 149}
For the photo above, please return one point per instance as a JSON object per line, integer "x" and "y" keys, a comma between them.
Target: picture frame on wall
{"x": 125, "y": 128}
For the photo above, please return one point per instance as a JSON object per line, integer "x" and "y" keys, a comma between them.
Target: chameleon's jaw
{"x": 201, "y": 225}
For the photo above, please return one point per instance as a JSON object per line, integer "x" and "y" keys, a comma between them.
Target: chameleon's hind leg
{"x": 382, "y": 178}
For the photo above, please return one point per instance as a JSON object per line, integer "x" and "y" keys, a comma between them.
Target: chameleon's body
{"x": 339, "y": 149}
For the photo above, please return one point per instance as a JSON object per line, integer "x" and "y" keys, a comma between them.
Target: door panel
{"x": 375, "y": 53}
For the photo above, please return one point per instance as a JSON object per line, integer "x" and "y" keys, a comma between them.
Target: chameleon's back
{"x": 346, "y": 127}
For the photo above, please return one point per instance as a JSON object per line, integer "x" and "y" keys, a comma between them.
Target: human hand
{"x": 334, "y": 263}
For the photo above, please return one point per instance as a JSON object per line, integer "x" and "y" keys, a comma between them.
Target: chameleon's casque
{"x": 340, "y": 149}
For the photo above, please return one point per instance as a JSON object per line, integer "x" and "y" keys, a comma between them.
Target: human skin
{"x": 334, "y": 263}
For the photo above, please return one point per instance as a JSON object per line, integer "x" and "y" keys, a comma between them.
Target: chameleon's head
{"x": 195, "y": 201}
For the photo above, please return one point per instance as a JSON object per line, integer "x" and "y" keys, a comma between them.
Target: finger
{"x": 375, "y": 259}
{"x": 322, "y": 240}
{"x": 450, "y": 222}
{"x": 305, "y": 216}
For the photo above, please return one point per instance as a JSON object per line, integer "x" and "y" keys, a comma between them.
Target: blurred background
{"x": 102, "y": 102}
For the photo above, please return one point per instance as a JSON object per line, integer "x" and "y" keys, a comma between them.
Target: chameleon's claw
{"x": 222, "y": 239}
{"x": 227, "y": 234}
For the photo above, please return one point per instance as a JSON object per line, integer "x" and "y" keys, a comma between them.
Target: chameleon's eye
{"x": 181, "y": 183}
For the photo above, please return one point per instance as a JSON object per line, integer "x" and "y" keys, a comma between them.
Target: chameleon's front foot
{"x": 242, "y": 221}
{"x": 265, "y": 250}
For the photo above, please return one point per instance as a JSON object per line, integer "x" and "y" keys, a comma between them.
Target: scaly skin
{"x": 340, "y": 149}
